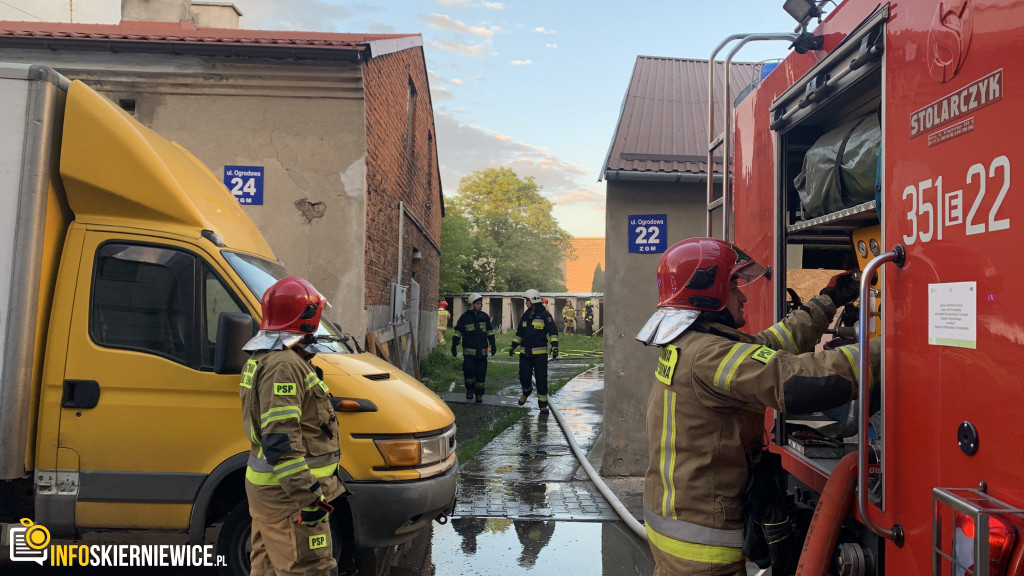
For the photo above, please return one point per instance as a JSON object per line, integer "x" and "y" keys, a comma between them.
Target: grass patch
{"x": 467, "y": 450}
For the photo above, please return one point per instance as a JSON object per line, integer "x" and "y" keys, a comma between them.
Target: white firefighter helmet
{"x": 533, "y": 296}
{"x": 474, "y": 297}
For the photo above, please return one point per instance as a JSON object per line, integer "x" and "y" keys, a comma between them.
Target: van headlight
{"x": 410, "y": 452}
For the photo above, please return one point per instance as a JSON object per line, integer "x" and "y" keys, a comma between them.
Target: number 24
{"x": 239, "y": 186}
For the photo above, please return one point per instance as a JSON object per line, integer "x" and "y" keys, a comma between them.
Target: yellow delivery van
{"x": 129, "y": 280}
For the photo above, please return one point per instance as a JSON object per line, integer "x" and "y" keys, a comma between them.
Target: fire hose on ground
{"x": 626, "y": 516}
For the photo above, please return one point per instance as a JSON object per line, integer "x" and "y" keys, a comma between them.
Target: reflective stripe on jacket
{"x": 293, "y": 432}
{"x": 536, "y": 328}
{"x": 476, "y": 331}
{"x": 705, "y": 414}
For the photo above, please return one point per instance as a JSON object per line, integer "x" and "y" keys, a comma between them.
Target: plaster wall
{"x": 302, "y": 122}
{"x": 630, "y": 297}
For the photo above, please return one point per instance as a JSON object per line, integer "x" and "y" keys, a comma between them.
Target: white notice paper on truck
{"x": 953, "y": 314}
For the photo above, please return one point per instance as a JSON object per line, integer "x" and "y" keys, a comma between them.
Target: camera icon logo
{"x": 29, "y": 542}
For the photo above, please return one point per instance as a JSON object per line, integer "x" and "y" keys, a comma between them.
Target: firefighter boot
{"x": 526, "y": 394}
{"x": 480, "y": 394}
{"x": 470, "y": 387}
{"x": 542, "y": 403}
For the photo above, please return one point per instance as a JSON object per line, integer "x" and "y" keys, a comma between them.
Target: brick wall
{"x": 579, "y": 272}
{"x": 400, "y": 171}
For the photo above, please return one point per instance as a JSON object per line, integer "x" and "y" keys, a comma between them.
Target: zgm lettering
{"x": 927, "y": 218}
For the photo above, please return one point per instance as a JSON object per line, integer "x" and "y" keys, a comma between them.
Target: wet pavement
{"x": 525, "y": 506}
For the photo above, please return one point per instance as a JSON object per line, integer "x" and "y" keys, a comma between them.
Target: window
{"x": 143, "y": 299}
{"x": 259, "y": 274}
{"x": 217, "y": 299}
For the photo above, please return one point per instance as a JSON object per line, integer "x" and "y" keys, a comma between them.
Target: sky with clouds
{"x": 533, "y": 85}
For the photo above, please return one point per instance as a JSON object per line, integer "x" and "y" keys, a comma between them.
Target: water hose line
{"x": 626, "y": 516}
{"x": 831, "y": 510}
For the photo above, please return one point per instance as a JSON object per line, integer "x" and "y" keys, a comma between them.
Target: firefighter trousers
{"x": 287, "y": 548}
{"x": 474, "y": 370}
{"x": 535, "y": 365}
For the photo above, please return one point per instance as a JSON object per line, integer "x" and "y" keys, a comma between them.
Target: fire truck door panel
{"x": 952, "y": 148}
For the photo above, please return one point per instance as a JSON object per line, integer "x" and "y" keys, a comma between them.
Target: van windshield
{"x": 259, "y": 274}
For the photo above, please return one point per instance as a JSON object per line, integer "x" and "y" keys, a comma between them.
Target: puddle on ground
{"x": 487, "y": 546}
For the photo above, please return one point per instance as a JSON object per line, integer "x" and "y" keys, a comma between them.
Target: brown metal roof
{"x": 139, "y": 34}
{"x": 663, "y": 123}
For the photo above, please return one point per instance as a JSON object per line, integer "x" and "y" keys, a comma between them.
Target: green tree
{"x": 598, "y": 284}
{"x": 514, "y": 243}
{"x": 456, "y": 253}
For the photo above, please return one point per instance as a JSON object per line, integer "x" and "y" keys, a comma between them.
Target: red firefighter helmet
{"x": 292, "y": 305}
{"x": 695, "y": 273}
{"x": 443, "y": 305}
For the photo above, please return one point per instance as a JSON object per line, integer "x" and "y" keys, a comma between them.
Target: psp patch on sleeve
{"x": 284, "y": 389}
{"x": 763, "y": 355}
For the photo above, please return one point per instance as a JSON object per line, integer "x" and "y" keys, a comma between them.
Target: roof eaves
{"x": 185, "y": 44}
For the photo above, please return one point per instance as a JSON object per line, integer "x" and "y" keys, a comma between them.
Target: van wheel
{"x": 235, "y": 541}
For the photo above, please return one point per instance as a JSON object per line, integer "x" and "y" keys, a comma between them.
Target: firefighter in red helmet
{"x": 705, "y": 413}
{"x": 288, "y": 416}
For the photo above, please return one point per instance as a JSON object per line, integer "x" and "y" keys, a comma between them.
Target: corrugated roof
{"x": 663, "y": 123}
{"x": 139, "y": 34}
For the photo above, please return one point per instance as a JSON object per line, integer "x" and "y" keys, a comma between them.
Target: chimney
{"x": 216, "y": 14}
{"x": 184, "y": 13}
{"x": 156, "y": 11}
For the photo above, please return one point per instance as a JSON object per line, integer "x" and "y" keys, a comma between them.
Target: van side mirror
{"x": 234, "y": 329}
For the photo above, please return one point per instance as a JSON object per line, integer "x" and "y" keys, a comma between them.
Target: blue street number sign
{"x": 647, "y": 233}
{"x": 246, "y": 183}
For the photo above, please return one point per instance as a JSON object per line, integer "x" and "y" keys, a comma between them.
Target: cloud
{"x": 493, "y": 5}
{"x": 458, "y": 4}
{"x": 466, "y": 148}
{"x": 445, "y": 22}
{"x": 298, "y": 15}
{"x": 478, "y": 79}
{"x": 543, "y": 30}
{"x": 521, "y": 62}
{"x": 476, "y": 50}
{"x": 585, "y": 196}
{"x": 551, "y": 45}
{"x": 440, "y": 93}
{"x": 436, "y": 79}
{"x": 381, "y": 28}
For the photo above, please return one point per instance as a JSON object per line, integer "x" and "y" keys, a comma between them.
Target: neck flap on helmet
{"x": 665, "y": 325}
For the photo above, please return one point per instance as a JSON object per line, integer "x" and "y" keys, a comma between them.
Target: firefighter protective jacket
{"x": 476, "y": 331}
{"x": 705, "y": 416}
{"x": 289, "y": 419}
{"x": 442, "y": 318}
{"x": 535, "y": 328}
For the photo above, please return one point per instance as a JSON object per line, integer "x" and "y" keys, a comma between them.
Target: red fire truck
{"x": 887, "y": 141}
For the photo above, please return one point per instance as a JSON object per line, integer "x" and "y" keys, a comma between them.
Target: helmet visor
{"x": 746, "y": 270}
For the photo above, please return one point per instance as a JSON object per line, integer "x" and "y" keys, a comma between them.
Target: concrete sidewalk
{"x": 581, "y": 404}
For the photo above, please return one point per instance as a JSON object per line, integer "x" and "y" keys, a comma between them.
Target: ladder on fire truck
{"x": 723, "y": 139}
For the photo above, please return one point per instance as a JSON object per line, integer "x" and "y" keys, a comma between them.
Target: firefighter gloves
{"x": 554, "y": 350}
{"x": 316, "y": 513}
{"x": 512, "y": 348}
{"x": 842, "y": 289}
{"x": 455, "y": 346}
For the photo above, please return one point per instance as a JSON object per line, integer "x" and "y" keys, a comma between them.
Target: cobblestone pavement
{"x": 528, "y": 472}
